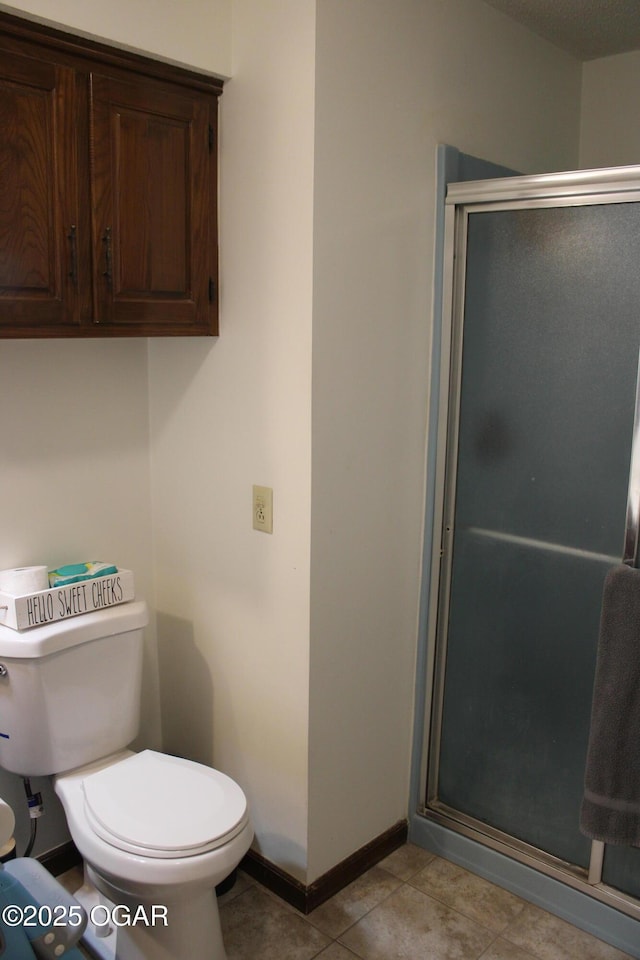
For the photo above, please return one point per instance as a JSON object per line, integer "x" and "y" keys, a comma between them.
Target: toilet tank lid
{"x": 53, "y": 637}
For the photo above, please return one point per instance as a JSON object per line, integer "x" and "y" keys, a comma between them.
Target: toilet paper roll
{"x": 20, "y": 581}
{"x": 7, "y": 823}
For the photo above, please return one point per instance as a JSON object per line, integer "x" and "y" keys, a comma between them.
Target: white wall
{"x": 234, "y": 603}
{"x": 610, "y": 133}
{"x": 393, "y": 80}
{"x": 194, "y": 33}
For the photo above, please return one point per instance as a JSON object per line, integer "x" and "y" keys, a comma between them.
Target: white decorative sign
{"x": 47, "y": 606}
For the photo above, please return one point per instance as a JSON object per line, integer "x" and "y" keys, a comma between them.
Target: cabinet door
{"x": 38, "y": 198}
{"x": 154, "y": 239}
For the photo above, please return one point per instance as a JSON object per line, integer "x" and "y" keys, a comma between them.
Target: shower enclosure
{"x": 535, "y": 495}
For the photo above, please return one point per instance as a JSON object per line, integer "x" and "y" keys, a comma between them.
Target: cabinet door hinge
{"x": 212, "y": 290}
{"x": 212, "y": 137}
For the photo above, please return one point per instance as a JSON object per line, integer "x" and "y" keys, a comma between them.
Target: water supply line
{"x": 36, "y": 809}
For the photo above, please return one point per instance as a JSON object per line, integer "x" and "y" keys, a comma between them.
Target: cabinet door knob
{"x": 107, "y": 273}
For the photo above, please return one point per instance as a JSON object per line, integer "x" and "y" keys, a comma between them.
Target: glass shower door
{"x": 544, "y": 384}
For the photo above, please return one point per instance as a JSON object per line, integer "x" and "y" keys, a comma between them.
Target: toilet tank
{"x": 70, "y": 690}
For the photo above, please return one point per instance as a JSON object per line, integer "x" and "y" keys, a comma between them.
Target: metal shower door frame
{"x": 577, "y": 188}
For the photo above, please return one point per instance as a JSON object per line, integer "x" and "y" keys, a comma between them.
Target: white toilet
{"x": 157, "y": 833}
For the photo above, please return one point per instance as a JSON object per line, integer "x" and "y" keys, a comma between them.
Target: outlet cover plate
{"x": 263, "y": 509}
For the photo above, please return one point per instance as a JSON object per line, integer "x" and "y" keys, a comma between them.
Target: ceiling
{"x": 586, "y": 28}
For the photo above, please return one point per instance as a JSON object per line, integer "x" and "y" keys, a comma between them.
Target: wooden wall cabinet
{"x": 108, "y": 191}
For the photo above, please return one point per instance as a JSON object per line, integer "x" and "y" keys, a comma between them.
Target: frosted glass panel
{"x": 550, "y": 354}
{"x": 523, "y": 634}
{"x": 622, "y": 869}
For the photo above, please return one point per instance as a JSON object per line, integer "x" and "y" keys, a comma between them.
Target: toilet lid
{"x": 162, "y": 806}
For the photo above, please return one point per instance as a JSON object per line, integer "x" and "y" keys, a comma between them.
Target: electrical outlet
{"x": 263, "y": 509}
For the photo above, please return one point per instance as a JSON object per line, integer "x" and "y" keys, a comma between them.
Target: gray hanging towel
{"x": 611, "y": 804}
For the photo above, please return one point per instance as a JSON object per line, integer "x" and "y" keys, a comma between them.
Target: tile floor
{"x": 411, "y": 906}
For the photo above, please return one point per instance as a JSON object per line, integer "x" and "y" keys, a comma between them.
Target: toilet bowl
{"x": 155, "y": 831}
{"x": 157, "y": 834}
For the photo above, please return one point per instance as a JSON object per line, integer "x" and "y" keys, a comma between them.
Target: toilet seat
{"x": 162, "y": 806}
